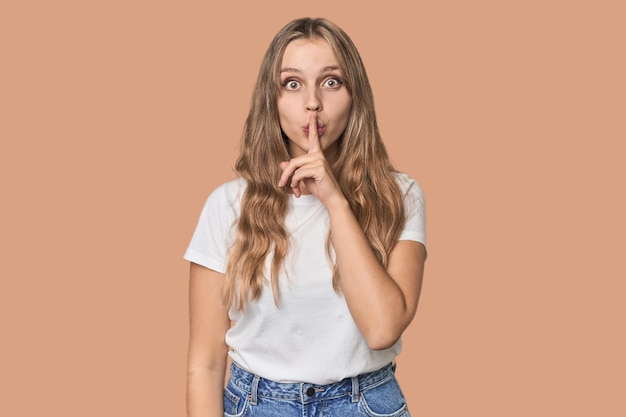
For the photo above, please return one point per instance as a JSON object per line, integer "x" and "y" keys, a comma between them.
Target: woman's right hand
{"x": 312, "y": 171}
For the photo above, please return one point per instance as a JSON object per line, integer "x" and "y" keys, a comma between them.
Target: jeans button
{"x": 310, "y": 391}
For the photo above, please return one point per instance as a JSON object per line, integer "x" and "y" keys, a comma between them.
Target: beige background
{"x": 118, "y": 118}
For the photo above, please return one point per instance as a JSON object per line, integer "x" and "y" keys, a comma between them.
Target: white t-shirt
{"x": 311, "y": 337}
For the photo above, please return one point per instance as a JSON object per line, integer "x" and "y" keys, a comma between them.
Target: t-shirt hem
{"x": 205, "y": 261}
{"x": 415, "y": 236}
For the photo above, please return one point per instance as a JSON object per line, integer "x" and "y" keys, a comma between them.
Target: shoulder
{"x": 414, "y": 209}
{"x": 228, "y": 193}
{"x": 224, "y": 202}
{"x": 408, "y": 185}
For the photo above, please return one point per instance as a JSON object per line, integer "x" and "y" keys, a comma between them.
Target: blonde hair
{"x": 362, "y": 169}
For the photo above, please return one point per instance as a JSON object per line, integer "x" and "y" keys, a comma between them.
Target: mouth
{"x": 320, "y": 130}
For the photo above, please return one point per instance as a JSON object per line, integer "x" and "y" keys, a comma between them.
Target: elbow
{"x": 386, "y": 332}
{"x": 381, "y": 339}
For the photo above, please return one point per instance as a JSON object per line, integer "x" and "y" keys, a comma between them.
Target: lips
{"x": 320, "y": 130}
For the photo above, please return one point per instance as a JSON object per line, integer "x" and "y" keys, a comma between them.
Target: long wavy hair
{"x": 362, "y": 169}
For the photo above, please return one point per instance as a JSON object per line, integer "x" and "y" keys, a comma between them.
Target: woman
{"x": 315, "y": 253}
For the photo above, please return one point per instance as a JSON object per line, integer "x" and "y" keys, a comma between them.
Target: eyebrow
{"x": 324, "y": 70}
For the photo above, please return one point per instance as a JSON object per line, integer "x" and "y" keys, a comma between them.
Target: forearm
{"x": 207, "y": 356}
{"x": 375, "y": 300}
{"x": 205, "y": 392}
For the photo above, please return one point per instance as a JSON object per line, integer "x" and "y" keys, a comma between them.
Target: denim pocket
{"x": 235, "y": 402}
{"x": 384, "y": 400}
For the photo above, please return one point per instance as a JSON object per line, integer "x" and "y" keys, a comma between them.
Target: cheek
{"x": 342, "y": 103}
{"x": 348, "y": 108}
{"x": 284, "y": 113}
{"x": 345, "y": 108}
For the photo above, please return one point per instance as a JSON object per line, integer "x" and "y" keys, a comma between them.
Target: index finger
{"x": 314, "y": 138}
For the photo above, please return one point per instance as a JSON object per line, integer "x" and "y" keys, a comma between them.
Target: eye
{"x": 291, "y": 84}
{"x": 333, "y": 82}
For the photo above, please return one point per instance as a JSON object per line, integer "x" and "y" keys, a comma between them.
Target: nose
{"x": 313, "y": 101}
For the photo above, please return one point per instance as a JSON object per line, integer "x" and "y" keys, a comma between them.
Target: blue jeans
{"x": 375, "y": 394}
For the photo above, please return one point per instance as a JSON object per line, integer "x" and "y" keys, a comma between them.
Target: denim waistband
{"x": 256, "y": 386}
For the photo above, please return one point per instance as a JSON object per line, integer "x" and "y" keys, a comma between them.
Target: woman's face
{"x": 311, "y": 81}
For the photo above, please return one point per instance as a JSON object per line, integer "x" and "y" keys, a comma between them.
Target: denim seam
{"x": 377, "y": 383}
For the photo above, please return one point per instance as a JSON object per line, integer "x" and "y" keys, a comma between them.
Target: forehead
{"x": 308, "y": 55}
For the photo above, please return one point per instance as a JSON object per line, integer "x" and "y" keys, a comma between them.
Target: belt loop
{"x": 253, "y": 389}
{"x": 355, "y": 394}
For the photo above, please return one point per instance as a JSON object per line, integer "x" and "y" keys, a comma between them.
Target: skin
{"x": 382, "y": 301}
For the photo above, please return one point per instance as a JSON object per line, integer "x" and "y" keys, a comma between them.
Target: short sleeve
{"x": 414, "y": 208}
{"x": 214, "y": 232}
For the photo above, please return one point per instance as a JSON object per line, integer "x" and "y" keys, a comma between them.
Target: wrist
{"x": 338, "y": 206}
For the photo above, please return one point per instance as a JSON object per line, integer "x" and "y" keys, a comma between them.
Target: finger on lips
{"x": 314, "y": 139}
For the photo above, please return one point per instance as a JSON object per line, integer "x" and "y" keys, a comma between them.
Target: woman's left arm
{"x": 382, "y": 302}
